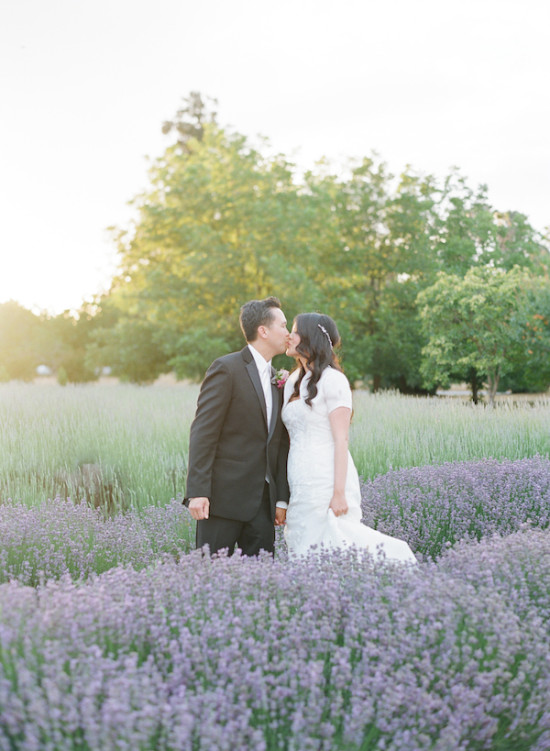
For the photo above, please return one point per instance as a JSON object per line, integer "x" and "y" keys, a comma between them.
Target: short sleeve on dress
{"x": 336, "y": 390}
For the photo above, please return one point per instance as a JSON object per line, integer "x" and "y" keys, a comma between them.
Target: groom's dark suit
{"x": 231, "y": 453}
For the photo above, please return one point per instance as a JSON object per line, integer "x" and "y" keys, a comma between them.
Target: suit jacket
{"x": 231, "y": 451}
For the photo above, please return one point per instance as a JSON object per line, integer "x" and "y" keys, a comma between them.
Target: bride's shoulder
{"x": 332, "y": 376}
{"x": 336, "y": 389}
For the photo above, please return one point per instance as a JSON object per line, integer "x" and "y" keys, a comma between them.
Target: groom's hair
{"x": 256, "y": 313}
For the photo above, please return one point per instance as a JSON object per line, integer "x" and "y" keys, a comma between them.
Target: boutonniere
{"x": 279, "y": 379}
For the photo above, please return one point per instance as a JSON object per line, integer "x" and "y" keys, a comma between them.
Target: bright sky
{"x": 87, "y": 84}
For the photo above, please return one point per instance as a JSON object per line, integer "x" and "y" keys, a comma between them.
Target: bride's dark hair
{"x": 318, "y": 338}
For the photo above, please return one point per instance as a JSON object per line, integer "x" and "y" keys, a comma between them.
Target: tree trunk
{"x": 493, "y": 378}
{"x": 474, "y": 385}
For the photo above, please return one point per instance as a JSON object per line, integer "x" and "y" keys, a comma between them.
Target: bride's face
{"x": 293, "y": 342}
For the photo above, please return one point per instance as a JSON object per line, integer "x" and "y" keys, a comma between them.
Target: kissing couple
{"x": 266, "y": 450}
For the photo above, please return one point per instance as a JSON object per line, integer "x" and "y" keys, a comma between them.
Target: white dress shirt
{"x": 264, "y": 369}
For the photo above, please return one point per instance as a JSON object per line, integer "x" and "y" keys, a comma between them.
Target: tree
{"x": 469, "y": 232}
{"x": 380, "y": 257}
{"x": 221, "y": 224}
{"x": 20, "y": 352}
{"x": 190, "y": 120}
{"x": 465, "y": 230}
{"x": 65, "y": 339}
{"x": 130, "y": 350}
{"x": 531, "y": 373}
{"x": 478, "y": 321}
{"x": 519, "y": 244}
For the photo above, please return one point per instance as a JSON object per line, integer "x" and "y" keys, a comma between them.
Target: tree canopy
{"x": 480, "y": 321}
{"x": 225, "y": 220}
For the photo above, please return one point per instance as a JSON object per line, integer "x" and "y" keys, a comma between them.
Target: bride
{"x": 325, "y": 497}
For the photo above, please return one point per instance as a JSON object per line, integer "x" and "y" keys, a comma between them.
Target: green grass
{"x": 390, "y": 430}
{"x": 118, "y": 445}
{"x": 124, "y": 446}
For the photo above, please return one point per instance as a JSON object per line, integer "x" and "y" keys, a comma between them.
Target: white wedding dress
{"x": 309, "y": 520}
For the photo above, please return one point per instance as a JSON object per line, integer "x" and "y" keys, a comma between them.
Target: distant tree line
{"x": 427, "y": 281}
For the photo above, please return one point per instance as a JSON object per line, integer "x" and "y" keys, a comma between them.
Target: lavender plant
{"x": 516, "y": 567}
{"x": 435, "y": 506}
{"x": 62, "y": 538}
{"x": 335, "y": 653}
{"x": 431, "y": 507}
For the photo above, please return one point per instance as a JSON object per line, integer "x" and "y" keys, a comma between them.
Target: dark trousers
{"x": 251, "y": 537}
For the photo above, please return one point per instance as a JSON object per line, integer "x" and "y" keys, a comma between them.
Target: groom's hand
{"x": 280, "y": 516}
{"x": 199, "y": 508}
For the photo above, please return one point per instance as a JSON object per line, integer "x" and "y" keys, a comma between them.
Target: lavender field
{"x": 114, "y": 634}
{"x": 123, "y": 446}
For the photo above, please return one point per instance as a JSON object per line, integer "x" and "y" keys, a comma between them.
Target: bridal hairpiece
{"x": 325, "y": 332}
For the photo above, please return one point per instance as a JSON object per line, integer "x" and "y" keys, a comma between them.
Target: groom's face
{"x": 275, "y": 334}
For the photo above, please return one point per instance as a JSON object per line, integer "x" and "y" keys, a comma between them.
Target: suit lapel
{"x": 276, "y": 402}
{"x": 255, "y": 378}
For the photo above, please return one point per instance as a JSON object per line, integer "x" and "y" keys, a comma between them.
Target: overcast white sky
{"x": 86, "y": 85}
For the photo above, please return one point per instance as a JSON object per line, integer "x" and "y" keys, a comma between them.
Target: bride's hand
{"x": 339, "y": 505}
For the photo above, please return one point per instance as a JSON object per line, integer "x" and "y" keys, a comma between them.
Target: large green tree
{"x": 224, "y": 221}
{"x": 377, "y": 257}
{"x": 220, "y": 225}
{"x": 478, "y": 321}
{"x": 531, "y": 372}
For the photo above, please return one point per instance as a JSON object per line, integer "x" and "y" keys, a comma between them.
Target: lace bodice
{"x": 311, "y": 458}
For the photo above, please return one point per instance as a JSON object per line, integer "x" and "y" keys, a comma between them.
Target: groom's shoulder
{"x": 230, "y": 360}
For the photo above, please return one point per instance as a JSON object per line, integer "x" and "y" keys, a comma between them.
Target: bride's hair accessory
{"x": 325, "y": 332}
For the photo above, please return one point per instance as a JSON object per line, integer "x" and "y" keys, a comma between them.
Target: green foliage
{"x": 130, "y": 350}
{"x": 531, "y": 373}
{"x": 66, "y": 338}
{"x": 224, "y": 221}
{"x": 62, "y": 377}
{"x": 479, "y": 321}
{"x": 220, "y": 226}
{"x": 20, "y": 350}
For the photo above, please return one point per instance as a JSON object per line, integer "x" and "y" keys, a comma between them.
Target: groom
{"x": 236, "y": 484}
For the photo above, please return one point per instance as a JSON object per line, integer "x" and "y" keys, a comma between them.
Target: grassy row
{"x": 394, "y": 431}
{"x": 125, "y": 446}
{"x": 118, "y": 446}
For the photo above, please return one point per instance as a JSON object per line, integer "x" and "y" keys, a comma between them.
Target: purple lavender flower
{"x": 432, "y": 507}
{"x": 334, "y": 653}
{"x": 60, "y": 537}
{"x": 176, "y": 652}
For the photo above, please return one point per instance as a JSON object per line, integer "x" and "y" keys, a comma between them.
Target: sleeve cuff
{"x": 281, "y": 504}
